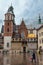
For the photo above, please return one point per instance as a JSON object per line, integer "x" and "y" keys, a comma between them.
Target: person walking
{"x": 33, "y": 57}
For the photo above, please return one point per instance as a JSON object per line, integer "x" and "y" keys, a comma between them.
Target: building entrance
{"x": 24, "y": 49}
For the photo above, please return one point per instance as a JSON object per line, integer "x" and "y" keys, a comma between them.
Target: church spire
{"x": 10, "y": 9}
{"x": 39, "y": 19}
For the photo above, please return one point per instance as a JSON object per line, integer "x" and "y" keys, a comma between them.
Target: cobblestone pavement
{"x": 17, "y": 59}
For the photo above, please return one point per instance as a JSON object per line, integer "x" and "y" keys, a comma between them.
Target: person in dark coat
{"x": 33, "y": 57}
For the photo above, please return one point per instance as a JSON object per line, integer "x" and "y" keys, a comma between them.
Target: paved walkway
{"x": 17, "y": 59}
{"x": 40, "y": 58}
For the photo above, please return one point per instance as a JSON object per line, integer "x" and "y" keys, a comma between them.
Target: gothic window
{"x": 8, "y": 24}
{"x": 7, "y": 29}
{"x": 7, "y": 44}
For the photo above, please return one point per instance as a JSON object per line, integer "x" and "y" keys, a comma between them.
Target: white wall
{"x": 35, "y": 32}
{"x": 32, "y": 46}
{"x": 7, "y": 39}
{"x": 40, "y": 38}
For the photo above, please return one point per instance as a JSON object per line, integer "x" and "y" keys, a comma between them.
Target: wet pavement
{"x": 40, "y": 58}
{"x": 16, "y": 59}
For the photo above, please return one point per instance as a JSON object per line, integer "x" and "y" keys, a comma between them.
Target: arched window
{"x": 7, "y": 29}
{"x": 8, "y": 24}
{"x": 6, "y": 17}
{"x": 7, "y": 44}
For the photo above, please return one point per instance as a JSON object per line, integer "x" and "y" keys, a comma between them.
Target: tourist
{"x": 33, "y": 57}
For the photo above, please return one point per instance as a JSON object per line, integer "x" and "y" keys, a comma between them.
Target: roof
{"x": 40, "y": 27}
{"x": 35, "y": 27}
{"x": 23, "y": 24}
{"x": 16, "y": 35}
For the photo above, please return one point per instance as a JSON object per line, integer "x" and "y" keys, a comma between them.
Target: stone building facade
{"x": 18, "y": 38}
{"x": 40, "y": 37}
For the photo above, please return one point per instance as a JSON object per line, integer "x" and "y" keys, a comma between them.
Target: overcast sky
{"x": 27, "y": 9}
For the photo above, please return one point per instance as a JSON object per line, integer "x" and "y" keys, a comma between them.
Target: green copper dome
{"x": 10, "y": 9}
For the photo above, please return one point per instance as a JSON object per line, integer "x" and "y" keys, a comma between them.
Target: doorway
{"x": 24, "y": 49}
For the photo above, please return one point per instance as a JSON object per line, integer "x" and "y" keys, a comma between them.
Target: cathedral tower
{"x": 8, "y": 28}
